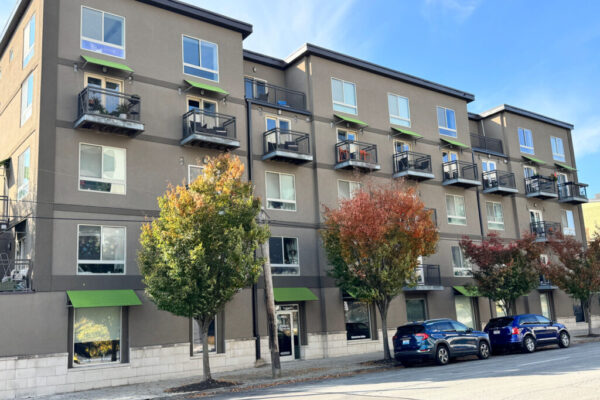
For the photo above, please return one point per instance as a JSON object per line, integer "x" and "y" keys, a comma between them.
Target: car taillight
{"x": 423, "y": 336}
{"x": 515, "y": 331}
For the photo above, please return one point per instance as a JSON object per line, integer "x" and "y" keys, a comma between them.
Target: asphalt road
{"x": 551, "y": 373}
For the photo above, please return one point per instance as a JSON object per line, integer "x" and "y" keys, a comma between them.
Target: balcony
{"x": 460, "y": 173}
{"x": 428, "y": 278}
{"x": 542, "y": 187}
{"x": 109, "y": 111}
{"x": 484, "y": 144}
{"x": 545, "y": 284}
{"x": 208, "y": 129}
{"x": 412, "y": 165}
{"x": 572, "y": 193}
{"x": 350, "y": 154}
{"x": 543, "y": 230}
{"x": 499, "y": 182}
{"x": 284, "y": 145}
{"x": 274, "y": 96}
{"x": 16, "y": 275}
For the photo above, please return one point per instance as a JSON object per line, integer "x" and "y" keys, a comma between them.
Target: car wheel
{"x": 528, "y": 344}
{"x": 484, "y": 350}
{"x": 564, "y": 340}
{"x": 442, "y": 356}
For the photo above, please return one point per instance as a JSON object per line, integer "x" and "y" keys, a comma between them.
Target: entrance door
{"x": 535, "y": 217}
{"x": 288, "y": 332}
{"x": 487, "y": 166}
{"x": 110, "y": 101}
{"x": 450, "y": 170}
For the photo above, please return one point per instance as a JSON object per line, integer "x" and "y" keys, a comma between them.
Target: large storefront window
{"x": 96, "y": 335}
{"x": 464, "y": 311}
{"x": 197, "y": 337}
{"x": 358, "y": 322}
{"x": 416, "y": 310}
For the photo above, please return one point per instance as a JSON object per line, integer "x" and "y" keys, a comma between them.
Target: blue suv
{"x": 439, "y": 340}
{"x": 526, "y": 332}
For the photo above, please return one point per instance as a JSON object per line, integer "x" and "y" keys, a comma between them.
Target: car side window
{"x": 459, "y": 327}
{"x": 528, "y": 320}
{"x": 446, "y": 327}
{"x": 543, "y": 320}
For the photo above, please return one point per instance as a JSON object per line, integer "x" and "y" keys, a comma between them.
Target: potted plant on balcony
{"x": 95, "y": 106}
{"x": 123, "y": 110}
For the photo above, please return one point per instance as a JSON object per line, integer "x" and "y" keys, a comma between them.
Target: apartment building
{"x": 103, "y": 103}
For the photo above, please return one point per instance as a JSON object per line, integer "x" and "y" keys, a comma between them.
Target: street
{"x": 550, "y": 373}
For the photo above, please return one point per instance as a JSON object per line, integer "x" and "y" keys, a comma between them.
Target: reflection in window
{"x": 102, "y": 169}
{"x": 102, "y": 32}
{"x": 446, "y": 121}
{"x": 399, "y": 110}
{"x": 197, "y": 336}
{"x": 200, "y": 58}
{"x": 101, "y": 249}
{"x": 460, "y": 264}
{"x": 281, "y": 191}
{"x": 358, "y": 322}
{"x": 344, "y": 96}
{"x": 283, "y": 256}
{"x": 96, "y": 335}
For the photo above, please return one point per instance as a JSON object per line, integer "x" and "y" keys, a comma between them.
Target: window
{"x": 455, "y": 208}
{"x": 460, "y": 265}
{"x": 102, "y": 32}
{"x": 109, "y": 100}
{"x": 529, "y": 172}
{"x": 401, "y": 146}
{"x": 488, "y": 165}
{"x": 96, "y": 335}
{"x": 525, "y": 141}
{"x": 28, "y": 40}
{"x": 545, "y": 301}
{"x": 558, "y": 151}
{"x": 197, "y": 337}
{"x": 464, "y": 310}
{"x": 101, "y": 169}
{"x": 194, "y": 171}
{"x": 344, "y": 96}
{"x": 283, "y": 255}
{"x": 101, "y": 249}
{"x": 23, "y": 174}
{"x": 416, "y": 310}
{"x": 255, "y": 88}
{"x": 568, "y": 223}
{"x": 446, "y": 121}
{"x": 347, "y": 189}
{"x": 26, "y": 98}
{"x": 344, "y": 135}
{"x": 200, "y": 58}
{"x": 495, "y": 216}
{"x": 358, "y": 320}
{"x": 399, "y": 110}
{"x": 281, "y": 191}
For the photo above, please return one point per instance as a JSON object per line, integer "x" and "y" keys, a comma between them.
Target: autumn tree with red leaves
{"x": 373, "y": 242}
{"x": 504, "y": 272}
{"x": 575, "y": 269}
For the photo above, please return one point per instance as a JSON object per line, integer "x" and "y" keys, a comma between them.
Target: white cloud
{"x": 459, "y": 10}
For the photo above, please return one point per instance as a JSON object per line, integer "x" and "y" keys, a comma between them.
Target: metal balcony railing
{"x": 486, "y": 144}
{"x": 570, "y": 190}
{"x": 16, "y": 274}
{"x": 349, "y": 150}
{"x": 274, "y": 95}
{"x": 545, "y": 282}
{"x": 285, "y": 140}
{"x": 200, "y": 122}
{"x": 498, "y": 179}
{"x": 460, "y": 170}
{"x": 109, "y": 103}
{"x": 539, "y": 184}
{"x": 411, "y": 161}
{"x": 544, "y": 229}
{"x": 428, "y": 275}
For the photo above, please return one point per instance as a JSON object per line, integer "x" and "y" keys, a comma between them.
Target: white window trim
{"x": 557, "y": 156}
{"x": 530, "y": 167}
{"x": 337, "y": 134}
{"x": 27, "y": 110}
{"x": 102, "y": 261}
{"x": 254, "y": 81}
{"x": 101, "y": 180}
{"x": 569, "y": 230}
{"x": 287, "y": 265}
{"x": 102, "y": 42}
{"x": 349, "y": 184}
{"x": 190, "y": 166}
{"x": 279, "y": 200}
{"x": 277, "y": 120}
{"x": 397, "y": 116}
{"x": 455, "y": 130}
{"x": 460, "y": 217}
{"x": 344, "y": 104}
{"x": 522, "y": 146}
{"x": 28, "y": 51}
{"x": 493, "y": 221}
{"x": 466, "y": 266}
{"x": 404, "y": 142}
{"x": 184, "y": 64}
{"x": 23, "y": 189}
{"x": 96, "y": 364}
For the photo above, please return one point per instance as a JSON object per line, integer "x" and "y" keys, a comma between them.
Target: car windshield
{"x": 499, "y": 322}
{"x": 410, "y": 329}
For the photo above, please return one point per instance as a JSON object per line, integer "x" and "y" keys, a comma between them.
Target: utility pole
{"x": 270, "y": 304}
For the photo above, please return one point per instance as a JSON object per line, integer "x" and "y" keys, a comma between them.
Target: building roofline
{"x": 12, "y": 22}
{"x": 264, "y": 59}
{"x": 311, "y": 49}
{"x": 525, "y": 113}
{"x": 475, "y": 117}
{"x": 202, "y": 14}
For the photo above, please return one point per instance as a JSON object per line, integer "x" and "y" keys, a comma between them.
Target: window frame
{"x": 190, "y": 167}
{"x": 184, "y": 64}
{"x": 297, "y": 266}
{"x": 568, "y": 230}
{"x": 27, "y": 109}
{"x": 23, "y": 187}
{"x": 403, "y": 143}
{"x": 101, "y": 261}
{"x": 78, "y": 366}
{"x": 445, "y": 128}
{"x": 360, "y": 185}
{"x": 525, "y": 168}
{"x": 294, "y": 202}
{"x": 28, "y": 52}
{"x": 102, "y": 42}
{"x": 334, "y": 102}
{"x": 498, "y": 223}
{"x": 369, "y": 319}
{"x": 448, "y": 215}
{"x": 554, "y": 140}
{"x": 397, "y": 96}
{"x": 523, "y": 148}
{"x": 102, "y": 180}
{"x": 465, "y": 264}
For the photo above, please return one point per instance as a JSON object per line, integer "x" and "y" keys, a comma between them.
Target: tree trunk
{"x": 205, "y": 360}
{"x": 270, "y": 300}
{"x": 587, "y": 310}
{"x": 383, "y": 310}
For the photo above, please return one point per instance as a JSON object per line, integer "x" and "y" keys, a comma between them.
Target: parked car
{"x": 439, "y": 340}
{"x": 526, "y": 332}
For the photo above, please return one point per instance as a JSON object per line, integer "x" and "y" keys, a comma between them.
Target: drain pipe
{"x": 478, "y": 201}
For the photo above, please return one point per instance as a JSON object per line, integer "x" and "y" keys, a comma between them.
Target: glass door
{"x": 487, "y": 166}
{"x": 464, "y": 311}
{"x": 546, "y": 305}
{"x": 347, "y": 152}
{"x": 562, "y": 189}
{"x": 109, "y": 102}
{"x": 288, "y": 332}
{"x": 450, "y": 171}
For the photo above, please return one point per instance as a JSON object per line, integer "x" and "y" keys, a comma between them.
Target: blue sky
{"x": 544, "y": 57}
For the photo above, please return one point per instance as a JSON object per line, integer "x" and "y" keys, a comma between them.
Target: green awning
{"x": 204, "y": 86}
{"x": 455, "y": 143}
{"x": 407, "y": 132}
{"x": 533, "y": 160}
{"x": 564, "y": 166}
{"x": 351, "y": 120}
{"x": 469, "y": 291}
{"x": 294, "y": 294}
{"x": 104, "y": 63}
{"x": 103, "y": 298}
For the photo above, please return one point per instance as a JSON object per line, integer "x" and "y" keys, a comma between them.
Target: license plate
{"x": 406, "y": 341}
{"x": 496, "y": 332}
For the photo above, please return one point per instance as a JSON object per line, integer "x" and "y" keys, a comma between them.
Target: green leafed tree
{"x": 200, "y": 251}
